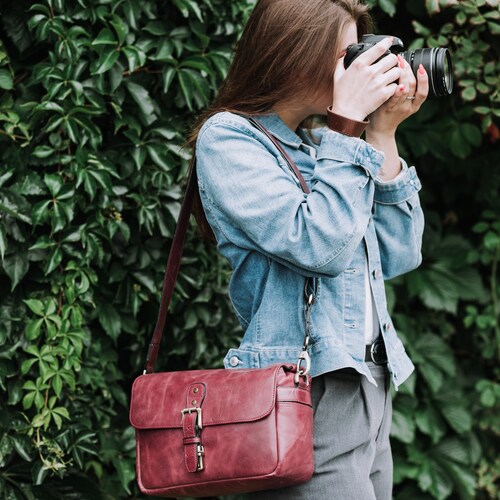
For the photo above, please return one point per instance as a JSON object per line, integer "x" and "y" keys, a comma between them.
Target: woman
{"x": 361, "y": 223}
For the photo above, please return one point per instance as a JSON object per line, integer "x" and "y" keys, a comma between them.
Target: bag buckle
{"x": 198, "y": 415}
{"x": 198, "y": 425}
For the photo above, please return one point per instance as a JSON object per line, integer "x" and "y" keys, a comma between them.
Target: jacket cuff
{"x": 340, "y": 147}
{"x": 401, "y": 188}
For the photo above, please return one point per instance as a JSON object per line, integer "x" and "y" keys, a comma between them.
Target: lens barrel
{"x": 437, "y": 63}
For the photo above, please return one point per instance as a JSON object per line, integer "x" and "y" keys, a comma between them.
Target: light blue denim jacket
{"x": 274, "y": 235}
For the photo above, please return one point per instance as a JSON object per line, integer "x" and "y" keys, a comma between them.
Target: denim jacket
{"x": 274, "y": 236}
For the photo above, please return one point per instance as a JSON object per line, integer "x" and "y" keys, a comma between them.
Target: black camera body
{"x": 436, "y": 61}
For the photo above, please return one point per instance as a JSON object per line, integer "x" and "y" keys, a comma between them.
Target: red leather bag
{"x": 217, "y": 432}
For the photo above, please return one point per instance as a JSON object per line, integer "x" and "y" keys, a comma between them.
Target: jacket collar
{"x": 280, "y": 130}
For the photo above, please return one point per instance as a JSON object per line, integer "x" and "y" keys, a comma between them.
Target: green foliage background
{"x": 96, "y": 97}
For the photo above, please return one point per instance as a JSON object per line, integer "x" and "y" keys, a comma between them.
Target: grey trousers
{"x": 352, "y": 453}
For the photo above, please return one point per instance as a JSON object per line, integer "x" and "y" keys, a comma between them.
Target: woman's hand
{"x": 381, "y": 131}
{"x": 363, "y": 87}
{"x": 409, "y": 96}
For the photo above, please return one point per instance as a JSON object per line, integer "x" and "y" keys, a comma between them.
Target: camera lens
{"x": 437, "y": 63}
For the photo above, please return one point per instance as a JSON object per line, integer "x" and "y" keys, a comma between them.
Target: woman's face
{"x": 324, "y": 98}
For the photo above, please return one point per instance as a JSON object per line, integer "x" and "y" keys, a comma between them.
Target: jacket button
{"x": 377, "y": 274}
{"x": 234, "y": 361}
{"x": 387, "y": 327}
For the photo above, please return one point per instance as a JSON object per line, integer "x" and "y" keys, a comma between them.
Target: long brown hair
{"x": 288, "y": 49}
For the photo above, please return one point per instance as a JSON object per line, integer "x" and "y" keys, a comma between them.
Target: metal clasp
{"x": 303, "y": 356}
{"x": 200, "y": 453}
{"x": 199, "y": 424}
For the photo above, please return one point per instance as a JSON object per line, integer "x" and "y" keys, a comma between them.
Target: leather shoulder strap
{"x": 291, "y": 165}
{"x": 174, "y": 257}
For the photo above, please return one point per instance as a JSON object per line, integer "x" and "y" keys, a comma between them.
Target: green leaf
{"x": 403, "y": 427}
{"x": 157, "y": 28}
{"x": 453, "y": 406}
{"x": 16, "y": 266}
{"x": 49, "y": 106}
{"x": 432, "y": 6}
{"x": 143, "y": 100}
{"x": 6, "y": 82}
{"x": 472, "y": 133}
{"x": 54, "y": 182}
{"x": 55, "y": 259}
{"x": 15, "y": 392}
{"x": 469, "y": 93}
{"x": 110, "y": 320}
{"x": 105, "y": 37}
{"x": 135, "y": 58}
{"x": 14, "y": 205}
{"x": 27, "y": 364}
{"x": 106, "y": 60}
{"x": 182, "y": 6}
{"x": 41, "y": 212}
{"x": 168, "y": 77}
{"x": 38, "y": 473}
{"x": 120, "y": 27}
{"x": 28, "y": 400}
{"x": 61, "y": 411}
{"x": 33, "y": 329}
{"x": 157, "y": 154}
{"x": 6, "y": 449}
{"x": 43, "y": 151}
{"x": 185, "y": 83}
{"x": 126, "y": 472}
{"x": 431, "y": 423}
{"x": 388, "y": 6}
{"x": 22, "y": 445}
{"x": 434, "y": 479}
{"x": 3, "y": 242}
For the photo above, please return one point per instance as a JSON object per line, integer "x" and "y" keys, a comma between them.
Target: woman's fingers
{"x": 339, "y": 69}
{"x": 422, "y": 87}
{"x": 385, "y": 64}
{"x": 373, "y": 53}
{"x": 393, "y": 75}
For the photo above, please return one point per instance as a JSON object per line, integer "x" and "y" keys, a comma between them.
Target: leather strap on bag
{"x": 174, "y": 257}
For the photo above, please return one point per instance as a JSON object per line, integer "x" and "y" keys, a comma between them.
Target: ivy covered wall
{"x": 96, "y": 97}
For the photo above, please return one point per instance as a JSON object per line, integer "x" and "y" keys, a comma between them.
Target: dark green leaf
{"x": 110, "y": 320}
{"x": 105, "y": 37}
{"x": 38, "y": 473}
{"x": 6, "y": 82}
{"x": 55, "y": 258}
{"x": 22, "y": 445}
{"x": 3, "y": 242}
{"x": 143, "y": 100}
{"x": 106, "y": 60}
{"x": 16, "y": 266}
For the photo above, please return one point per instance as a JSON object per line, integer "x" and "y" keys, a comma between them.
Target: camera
{"x": 436, "y": 61}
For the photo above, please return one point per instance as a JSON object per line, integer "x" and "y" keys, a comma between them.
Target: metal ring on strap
{"x": 303, "y": 356}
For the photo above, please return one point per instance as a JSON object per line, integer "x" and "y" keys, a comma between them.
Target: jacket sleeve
{"x": 399, "y": 222}
{"x": 250, "y": 197}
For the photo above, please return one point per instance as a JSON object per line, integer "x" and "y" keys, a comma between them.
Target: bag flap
{"x": 241, "y": 395}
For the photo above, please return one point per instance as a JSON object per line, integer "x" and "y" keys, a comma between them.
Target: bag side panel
{"x": 295, "y": 443}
